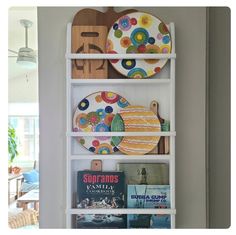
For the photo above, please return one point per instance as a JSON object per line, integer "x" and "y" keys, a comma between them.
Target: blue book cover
{"x": 148, "y": 196}
{"x": 148, "y": 221}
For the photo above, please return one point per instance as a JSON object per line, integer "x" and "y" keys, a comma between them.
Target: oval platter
{"x": 135, "y": 119}
{"x": 95, "y": 113}
{"x": 138, "y": 32}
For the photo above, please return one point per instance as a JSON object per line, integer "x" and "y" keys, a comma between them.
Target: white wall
{"x": 190, "y": 113}
{"x": 24, "y": 88}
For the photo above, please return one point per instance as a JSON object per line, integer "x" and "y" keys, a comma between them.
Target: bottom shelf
{"x": 146, "y": 218}
{"x": 74, "y": 211}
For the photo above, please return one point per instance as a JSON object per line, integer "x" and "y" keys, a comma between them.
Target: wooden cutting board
{"x": 89, "y": 39}
{"x": 93, "y": 17}
{"x": 163, "y": 144}
{"x": 96, "y": 165}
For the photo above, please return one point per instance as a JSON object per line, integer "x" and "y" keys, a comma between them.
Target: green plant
{"x": 12, "y": 144}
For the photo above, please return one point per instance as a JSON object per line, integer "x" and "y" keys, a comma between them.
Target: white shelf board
{"x": 93, "y": 56}
{"x": 74, "y": 211}
{"x": 160, "y": 133}
{"x": 119, "y": 81}
{"x": 148, "y": 157}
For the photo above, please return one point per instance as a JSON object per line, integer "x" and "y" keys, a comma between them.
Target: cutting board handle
{"x": 110, "y": 9}
{"x": 96, "y": 165}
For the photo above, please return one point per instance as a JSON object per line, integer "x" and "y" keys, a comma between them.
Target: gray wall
{"x": 219, "y": 117}
{"x": 190, "y": 113}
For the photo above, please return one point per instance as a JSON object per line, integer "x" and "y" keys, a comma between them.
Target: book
{"x": 148, "y": 196}
{"x": 97, "y": 189}
{"x": 148, "y": 221}
{"x": 145, "y": 173}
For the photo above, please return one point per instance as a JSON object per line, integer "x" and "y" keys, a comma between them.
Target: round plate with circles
{"x": 138, "y": 33}
{"x": 95, "y": 113}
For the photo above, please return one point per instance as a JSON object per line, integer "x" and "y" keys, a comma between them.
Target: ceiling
{"x": 16, "y": 37}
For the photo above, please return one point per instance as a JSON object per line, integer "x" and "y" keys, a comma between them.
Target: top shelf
{"x": 119, "y": 81}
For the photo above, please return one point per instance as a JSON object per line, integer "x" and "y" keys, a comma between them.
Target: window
{"x": 27, "y": 132}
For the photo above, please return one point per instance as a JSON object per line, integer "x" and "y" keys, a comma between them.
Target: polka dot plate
{"x": 138, "y": 33}
{"x": 135, "y": 118}
{"x": 94, "y": 114}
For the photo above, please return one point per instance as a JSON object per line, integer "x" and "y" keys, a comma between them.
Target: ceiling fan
{"x": 26, "y": 56}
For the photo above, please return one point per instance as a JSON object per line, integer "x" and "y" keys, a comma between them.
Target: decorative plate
{"x": 135, "y": 118}
{"x": 95, "y": 113}
{"x": 138, "y": 33}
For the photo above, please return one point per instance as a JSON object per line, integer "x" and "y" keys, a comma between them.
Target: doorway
{"x": 23, "y": 117}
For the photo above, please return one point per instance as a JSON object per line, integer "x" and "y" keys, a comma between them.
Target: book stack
{"x": 139, "y": 185}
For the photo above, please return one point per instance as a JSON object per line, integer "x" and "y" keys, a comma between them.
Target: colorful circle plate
{"x": 94, "y": 114}
{"x": 135, "y": 119}
{"x": 138, "y": 33}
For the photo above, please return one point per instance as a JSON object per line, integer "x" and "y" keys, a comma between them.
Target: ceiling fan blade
{"x": 33, "y": 53}
{"x": 12, "y": 56}
{"x": 15, "y": 52}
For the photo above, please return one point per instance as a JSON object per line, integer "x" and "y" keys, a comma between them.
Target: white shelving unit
{"x": 161, "y": 89}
